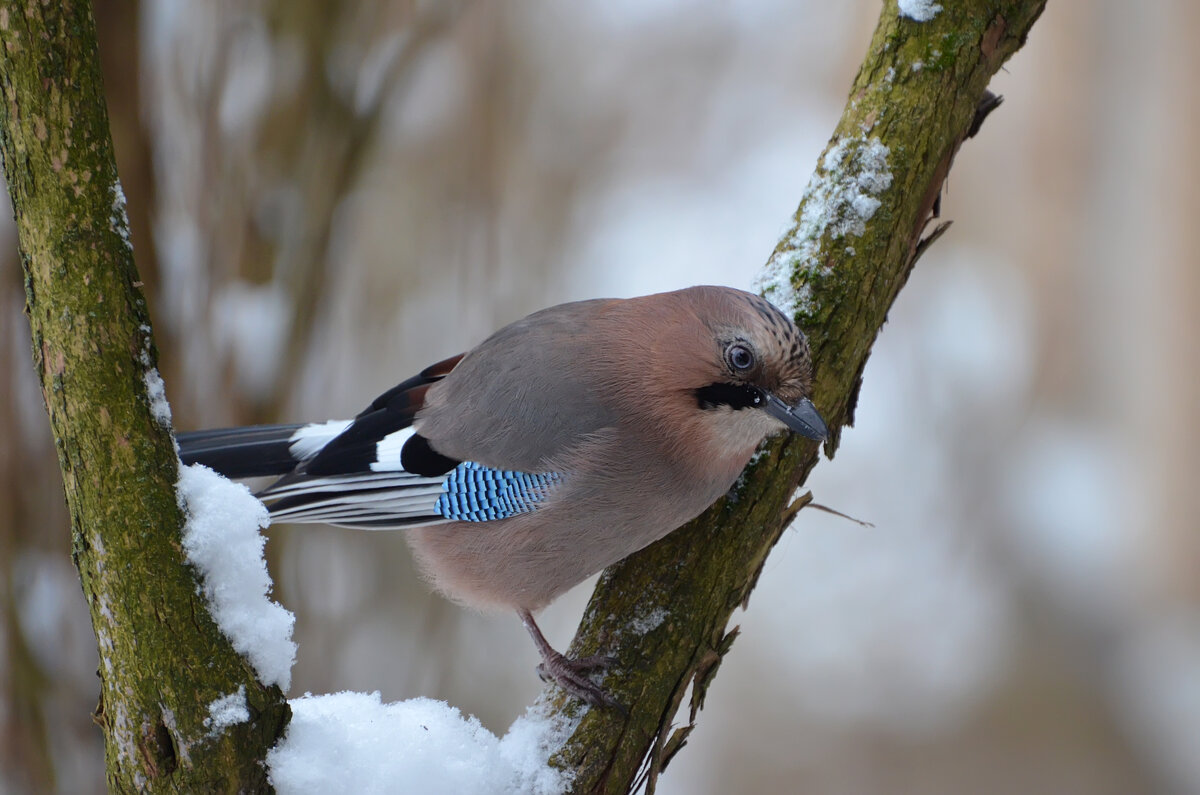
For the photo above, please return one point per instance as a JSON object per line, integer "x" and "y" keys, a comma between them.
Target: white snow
{"x": 354, "y": 743}
{"x": 919, "y": 10}
{"x": 306, "y": 441}
{"x": 839, "y": 200}
{"x": 119, "y": 217}
{"x": 156, "y": 390}
{"x": 227, "y": 710}
{"x": 344, "y": 742}
{"x": 221, "y": 539}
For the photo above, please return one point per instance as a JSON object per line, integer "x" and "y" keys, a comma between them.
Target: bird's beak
{"x": 801, "y": 418}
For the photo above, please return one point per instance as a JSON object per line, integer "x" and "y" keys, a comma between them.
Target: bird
{"x": 561, "y": 444}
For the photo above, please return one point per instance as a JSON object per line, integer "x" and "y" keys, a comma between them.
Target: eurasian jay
{"x": 560, "y": 445}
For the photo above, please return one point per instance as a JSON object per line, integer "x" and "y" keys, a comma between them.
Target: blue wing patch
{"x": 475, "y": 493}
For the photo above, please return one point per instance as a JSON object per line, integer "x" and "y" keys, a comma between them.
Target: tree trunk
{"x": 663, "y": 613}
{"x": 162, "y": 659}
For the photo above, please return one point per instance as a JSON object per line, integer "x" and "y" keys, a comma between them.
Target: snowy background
{"x": 327, "y": 197}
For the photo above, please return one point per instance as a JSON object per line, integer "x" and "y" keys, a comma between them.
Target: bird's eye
{"x": 740, "y": 357}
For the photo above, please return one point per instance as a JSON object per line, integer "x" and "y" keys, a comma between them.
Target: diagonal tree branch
{"x": 920, "y": 92}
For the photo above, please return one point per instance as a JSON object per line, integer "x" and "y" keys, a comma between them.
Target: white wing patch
{"x": 308, "y": 440}
{"x": 387, "y": 451}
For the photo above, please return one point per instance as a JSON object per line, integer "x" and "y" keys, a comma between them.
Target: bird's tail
{"x": 377, "y": 497}
{"x": 255, "y": 451}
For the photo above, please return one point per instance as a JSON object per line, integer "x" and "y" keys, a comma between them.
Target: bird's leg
{"x": 569, "y": 674}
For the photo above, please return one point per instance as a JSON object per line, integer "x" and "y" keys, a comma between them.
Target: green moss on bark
{"x": 162, "y": 659}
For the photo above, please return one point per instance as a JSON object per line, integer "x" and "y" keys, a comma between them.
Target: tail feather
{"x": 382, "y": 496}
{"x": 256, "y": 451}
{"x": 354, "y": 473}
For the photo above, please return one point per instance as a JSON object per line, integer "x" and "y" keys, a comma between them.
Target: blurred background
{"x": 325, "y": 197}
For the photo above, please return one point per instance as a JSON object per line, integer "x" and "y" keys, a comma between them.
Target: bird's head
{"x": 714, "y": 366}
{"x": 758, "y": 368}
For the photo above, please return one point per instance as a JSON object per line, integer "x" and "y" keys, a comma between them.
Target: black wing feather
{"x": 354, "y": 449}
{"x": 251, "y": 452}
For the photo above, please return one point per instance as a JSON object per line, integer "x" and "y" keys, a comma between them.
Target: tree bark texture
{"x": 162, "y": 659}
{"x": 865, "y": 218}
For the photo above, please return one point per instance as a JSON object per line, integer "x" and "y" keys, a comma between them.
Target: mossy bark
{"x": 920, "y": 92}
{"x": 162, "y": 659}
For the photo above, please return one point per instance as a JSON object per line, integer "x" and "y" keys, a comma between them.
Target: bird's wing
{"x": 375, "y": 438}
{"x": 376, "y": 472}
{"x": 472, "y": 438}
{"x": 526, "y": 396}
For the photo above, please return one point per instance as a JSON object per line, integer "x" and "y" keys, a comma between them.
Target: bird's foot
{"x": 572, "y": 676}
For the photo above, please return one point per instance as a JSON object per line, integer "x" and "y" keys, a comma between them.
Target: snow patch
{"x": 919, "y": 10}
{"x": 221, "y": 539}
{"x": 838, "y": 202}
{"x": 156, "y": 390}
{"x": 353, "y": 742}
{"x": 226, "y": 711}
{"x": 119, "y": 216}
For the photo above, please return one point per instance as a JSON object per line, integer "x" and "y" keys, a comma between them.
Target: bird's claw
{"x": 571, "y": 675}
